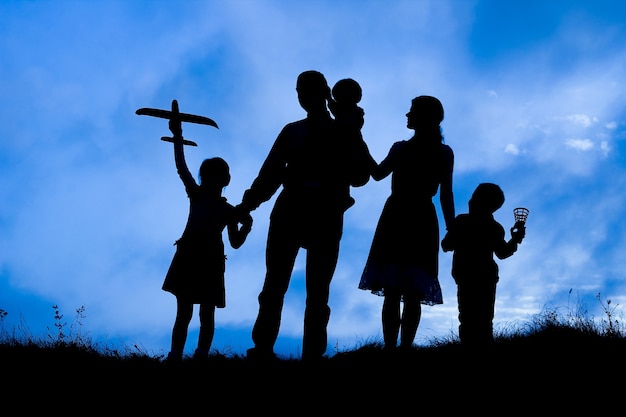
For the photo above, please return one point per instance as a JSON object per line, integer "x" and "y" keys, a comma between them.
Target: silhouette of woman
{"x": 402, "y": 265}
{"x": 196, "y": 274}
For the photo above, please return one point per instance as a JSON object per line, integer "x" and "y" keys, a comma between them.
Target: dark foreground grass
{"x": 552, "y": 365}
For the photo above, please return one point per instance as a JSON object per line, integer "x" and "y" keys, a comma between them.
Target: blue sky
{"x": 90, "y": 204}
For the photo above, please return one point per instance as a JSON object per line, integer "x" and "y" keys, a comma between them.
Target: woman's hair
{"x": 430, "y": 107}
{"x": 430, "y": 112}
{"x": 214, "y": 171}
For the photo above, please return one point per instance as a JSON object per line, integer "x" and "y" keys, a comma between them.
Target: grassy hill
{"x": 553, "y": 365}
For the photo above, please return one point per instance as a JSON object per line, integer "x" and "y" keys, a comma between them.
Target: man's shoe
{"x": 260, "y": 355}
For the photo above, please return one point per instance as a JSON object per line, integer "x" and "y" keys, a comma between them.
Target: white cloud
{"x": 579, "y": 144}
{"x": 581, "y": 119}
{"x": 511, "y": 149}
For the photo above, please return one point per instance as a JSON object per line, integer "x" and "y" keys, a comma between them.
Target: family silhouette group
{"x": 312, "y": 165}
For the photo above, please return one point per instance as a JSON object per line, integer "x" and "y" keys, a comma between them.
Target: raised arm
{"x": 179, "y": 155}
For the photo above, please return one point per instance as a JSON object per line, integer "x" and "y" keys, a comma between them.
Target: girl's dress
{"x": 405, "y": 248}
{"x": 196, "y": 273}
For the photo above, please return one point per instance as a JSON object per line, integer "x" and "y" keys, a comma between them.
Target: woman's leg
{"x": 411, "y": 315}
{"x": 391, "y": 319}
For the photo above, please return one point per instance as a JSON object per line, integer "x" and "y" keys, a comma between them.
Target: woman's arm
{"x": 382, "y": 170}
{"x": 446, "y": 196}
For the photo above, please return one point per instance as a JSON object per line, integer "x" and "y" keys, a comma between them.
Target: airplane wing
{"x": 185, "y": 141}
{"x": 184, "y": 117}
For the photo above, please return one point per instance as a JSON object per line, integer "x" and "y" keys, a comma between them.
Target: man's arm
{"x": 270, "y": 177}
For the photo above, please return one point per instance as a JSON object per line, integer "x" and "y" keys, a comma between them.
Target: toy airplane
{"x": 174, "y": 114}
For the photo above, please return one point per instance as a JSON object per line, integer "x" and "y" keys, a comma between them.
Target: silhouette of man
{"x": 316, "y": 165}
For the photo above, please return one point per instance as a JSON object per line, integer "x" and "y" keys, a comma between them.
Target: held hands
{"x": 518, "y": 232}
{"x": 242, "y": 214}
{"x": 245, "y": 219}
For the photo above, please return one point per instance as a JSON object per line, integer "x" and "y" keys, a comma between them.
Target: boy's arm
{"x": 506, "y": 250}
{"x": 518, "y": 231}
